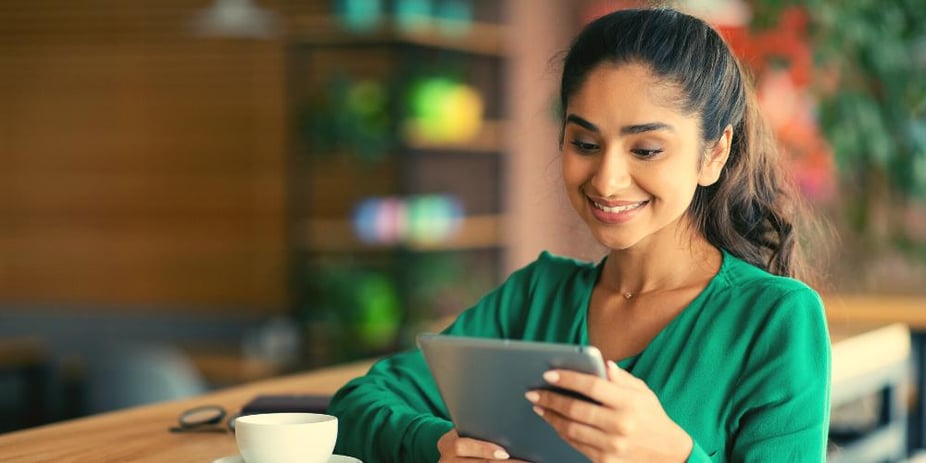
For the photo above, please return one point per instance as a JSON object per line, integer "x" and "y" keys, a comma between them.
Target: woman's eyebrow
{"x": 648, "y": 127}
{"x": 626, "y": 130}
{"x": 582, "y": 123}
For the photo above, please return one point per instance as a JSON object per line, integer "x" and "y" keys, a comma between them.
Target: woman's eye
{"x": 646, "y": 153}
{"x": 584, "y": 146}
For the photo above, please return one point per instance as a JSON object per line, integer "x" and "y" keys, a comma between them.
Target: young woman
{"x": 718, "y": 352}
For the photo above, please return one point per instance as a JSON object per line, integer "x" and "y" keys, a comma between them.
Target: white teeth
{"x": 619, "y": 209}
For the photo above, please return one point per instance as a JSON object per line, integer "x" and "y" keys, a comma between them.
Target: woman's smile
{"x": 615, "y": 212}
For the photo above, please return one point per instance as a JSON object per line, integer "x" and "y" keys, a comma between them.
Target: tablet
{"x": 483, "y": 381}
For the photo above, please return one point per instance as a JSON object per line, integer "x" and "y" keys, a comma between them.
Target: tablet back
{"x": 483, "y": 381}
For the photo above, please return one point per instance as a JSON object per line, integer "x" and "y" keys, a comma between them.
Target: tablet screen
{"x": 483, "y": 382}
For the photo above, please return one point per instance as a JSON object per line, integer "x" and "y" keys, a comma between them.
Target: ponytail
{"x": 754, "y": 210}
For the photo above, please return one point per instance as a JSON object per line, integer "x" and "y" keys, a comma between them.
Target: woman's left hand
{"x": 630, "y": 425}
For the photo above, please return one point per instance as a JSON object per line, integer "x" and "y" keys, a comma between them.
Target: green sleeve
{"x": 698, "y": 455}
{"x": 394, "y": 414}
{"x": 781, "y": 399}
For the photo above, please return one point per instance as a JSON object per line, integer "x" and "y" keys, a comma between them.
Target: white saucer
{"x": 333, "y": 459}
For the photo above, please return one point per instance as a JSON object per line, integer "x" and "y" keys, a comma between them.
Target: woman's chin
{"x": 612, "y": 242}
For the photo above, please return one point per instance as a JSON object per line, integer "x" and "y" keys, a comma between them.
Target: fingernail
{"x": 551, "y": 376}
{"x": 501, "y": 455}
{"x": 613, "y": 364}
{"x": 538, "y": 410}
{"x": 532, "y": 396}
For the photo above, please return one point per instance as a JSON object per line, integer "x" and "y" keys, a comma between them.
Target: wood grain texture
{"x": 140, "y": 165}
{"x": 140, "y": 434}
{"x": 874, "y": 309}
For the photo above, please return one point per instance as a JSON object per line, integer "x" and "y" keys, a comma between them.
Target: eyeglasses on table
{"x": 205, "y": 418}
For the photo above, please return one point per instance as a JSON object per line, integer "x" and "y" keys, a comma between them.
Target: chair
{"x": 125, "y": 375}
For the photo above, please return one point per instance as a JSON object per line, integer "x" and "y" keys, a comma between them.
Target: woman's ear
{"x": 715, "y": 158}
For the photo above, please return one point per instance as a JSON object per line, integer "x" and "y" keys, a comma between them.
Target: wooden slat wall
{"x": 140, "y": 165}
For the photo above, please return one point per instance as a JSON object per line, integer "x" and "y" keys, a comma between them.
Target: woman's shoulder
{"x": 756, "y": 287}
{"x": 549, "y": 271}
{"x": 549, "y": 265}
{"x": 751, "y": 300}
{"x": 740, "y": 274}
{"x": 564, "y": 263}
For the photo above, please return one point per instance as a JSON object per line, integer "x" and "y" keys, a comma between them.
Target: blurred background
{"x": 200, "y": 193}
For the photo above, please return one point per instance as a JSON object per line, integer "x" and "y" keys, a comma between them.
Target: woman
{"x": 718, "y": 352}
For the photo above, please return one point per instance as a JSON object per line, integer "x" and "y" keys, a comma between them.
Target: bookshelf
{"x": 352, "y": 97}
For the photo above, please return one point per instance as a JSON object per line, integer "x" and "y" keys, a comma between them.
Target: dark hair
{"x": 752, "y": 210}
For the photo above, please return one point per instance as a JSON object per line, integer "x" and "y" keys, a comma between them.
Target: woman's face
{"x": 631, "y": 159}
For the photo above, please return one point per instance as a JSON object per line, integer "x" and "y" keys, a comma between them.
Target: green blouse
{"x": 744, "y": 369}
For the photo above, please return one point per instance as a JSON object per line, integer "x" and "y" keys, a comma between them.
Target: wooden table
{"x": 868, "y": 310}
{"x": 140, "y": 434}
{"x": 877, "y": 309}
{"x": 873, "y": 362}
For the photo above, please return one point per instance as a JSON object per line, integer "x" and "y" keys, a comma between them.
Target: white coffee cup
{"x": 286, "y": 437}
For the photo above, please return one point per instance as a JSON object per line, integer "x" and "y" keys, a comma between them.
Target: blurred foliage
{"x": 355, "y": 310}
{"x": 349, "y": 117}
{"x": 869, "y": 78}
{"x": 876, "y": 119}
{"x": 870, "y": 63}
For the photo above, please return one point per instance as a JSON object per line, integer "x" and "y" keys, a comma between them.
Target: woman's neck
{"x": 656, "y": 267}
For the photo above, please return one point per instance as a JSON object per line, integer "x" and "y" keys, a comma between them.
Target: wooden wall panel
{"x": 140, "y": 165}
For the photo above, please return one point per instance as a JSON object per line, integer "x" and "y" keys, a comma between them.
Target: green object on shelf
{"x": 350, "y": 117}
{"x": 378, "y": 320}
{"x": 443, "y": 110}
{"x": 360, "y": 306}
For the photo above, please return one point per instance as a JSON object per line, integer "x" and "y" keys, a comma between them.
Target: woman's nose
{"x": 612, "y": 174}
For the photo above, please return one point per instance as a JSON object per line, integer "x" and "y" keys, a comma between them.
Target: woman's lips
{"x": 615, "y": 212}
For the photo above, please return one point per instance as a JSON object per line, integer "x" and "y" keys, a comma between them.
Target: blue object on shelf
{"x": 412, "y": 15}
{"x": 360, "y": 15}
{"x": 429, "y": 218}
{"x": 457, "y": 16}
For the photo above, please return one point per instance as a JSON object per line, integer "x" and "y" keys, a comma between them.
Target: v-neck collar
{"x": 628, "y": 363}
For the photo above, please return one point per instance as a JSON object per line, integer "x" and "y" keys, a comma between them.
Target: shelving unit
{"x": 479, "y": 38}
{"x": 476, "y": 232}
{"x": 487, "y": 141}
{"x": 415, "y": 280}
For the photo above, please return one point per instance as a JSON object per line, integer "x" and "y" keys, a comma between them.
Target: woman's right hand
{"x": 454, "y": 448}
